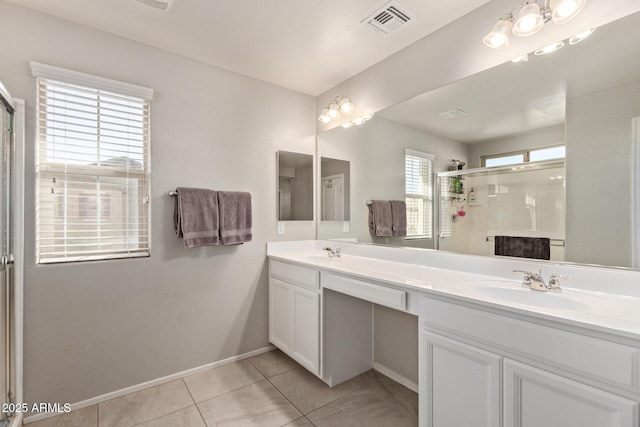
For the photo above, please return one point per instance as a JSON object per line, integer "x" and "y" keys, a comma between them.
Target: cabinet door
{"x": 534, "y": 398}
{"x": 461, "y": 384}
{"x": 279, "y": 318}
{"x": 305, "y": 325}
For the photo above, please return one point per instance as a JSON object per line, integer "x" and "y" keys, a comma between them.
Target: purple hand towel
{"x": 195, "y": 217}
{"x": 235, "y": 217}
{"x": 398, "y": 218}
{"x": 380, "y": 218}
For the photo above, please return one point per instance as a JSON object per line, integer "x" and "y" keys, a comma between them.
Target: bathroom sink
{"x": 523, "y": 296}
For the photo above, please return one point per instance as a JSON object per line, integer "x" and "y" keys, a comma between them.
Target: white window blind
{"x": 419, "y": 194}
{"x": 92, "y": 195}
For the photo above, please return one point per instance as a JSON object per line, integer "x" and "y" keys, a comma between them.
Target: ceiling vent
{"x": 389, "y": 18}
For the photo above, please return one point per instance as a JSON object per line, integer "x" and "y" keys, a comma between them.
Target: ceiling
{"x": 308, "y": 46}
{"x": 519, "y": 97}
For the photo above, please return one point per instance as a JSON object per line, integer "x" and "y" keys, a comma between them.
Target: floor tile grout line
{"x": 161, "y": 416}
{"x": 319, "y": 407}
{"x": 195, "y": 404}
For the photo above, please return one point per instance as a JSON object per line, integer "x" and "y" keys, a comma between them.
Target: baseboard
{"x": 152, "y": 383}
{"x": 16, "y": 421}
{"x": 396, "y": 376}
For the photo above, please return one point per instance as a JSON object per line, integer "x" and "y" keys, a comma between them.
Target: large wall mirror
{"x": 584, "y": 96}
{"x": 295, "y": 186}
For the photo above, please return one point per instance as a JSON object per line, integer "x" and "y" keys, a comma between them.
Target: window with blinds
{"x": 419, "y": 194}
{"x": 92, "y": 172}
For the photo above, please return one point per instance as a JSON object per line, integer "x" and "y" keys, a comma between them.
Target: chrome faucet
{"x": 535, "y": 281}
{"x": 554, "y": 282}
{"x": 333, "y": 252}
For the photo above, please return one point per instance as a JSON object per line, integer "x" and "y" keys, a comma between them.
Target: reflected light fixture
{"x": 549, "y": 48}
{"x": 531, "y": 18}
{"x": 341, "y": 106}
{"x": 581, "y": 36}
{"x": 521, "y": 58}
{"x": 358, "y": 121}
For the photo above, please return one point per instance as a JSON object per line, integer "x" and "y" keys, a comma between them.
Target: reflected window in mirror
{"x": 295, "y": 186}
{"x": 524, "y": 156}
{"x": 419, "y": 194}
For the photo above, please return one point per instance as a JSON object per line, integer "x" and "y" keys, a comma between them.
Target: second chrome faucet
{"x": 535, "y": 281}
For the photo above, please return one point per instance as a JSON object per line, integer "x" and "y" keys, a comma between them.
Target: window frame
{"x": 130, "y": 176}
{"x": 427, "y": 197}
{"x": 526, "y": 155}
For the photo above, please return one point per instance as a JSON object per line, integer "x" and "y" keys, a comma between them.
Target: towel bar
{"x": 172, "y": 193}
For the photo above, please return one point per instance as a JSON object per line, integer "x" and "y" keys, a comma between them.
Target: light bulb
{"x": 521, "y": 58}
{"x": 581, "y": 36}
{"x": 347, "y": 125}
{"x": 565, "y": 10}
{"x": 498, "y": 38}
{"x": 324, "y": 117}
{"x": 358, "y": 121}
{"x": 334, "y": 111}
{"x": 346, "y": 106}
{"x": 529, "y": 22}
{"x": 549, "y": 48}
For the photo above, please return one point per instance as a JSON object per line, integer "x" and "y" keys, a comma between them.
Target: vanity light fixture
{"x": 341, "y": 106}
{"x": 531, "y": 19}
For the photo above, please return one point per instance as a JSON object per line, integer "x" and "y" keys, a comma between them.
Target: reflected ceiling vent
{"x": 389, "y": 18}
{"x": 158, "y": 4}
{"x": 452, "y": 114}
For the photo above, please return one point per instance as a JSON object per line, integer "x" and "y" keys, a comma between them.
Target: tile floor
{"x": 266, "y": 390}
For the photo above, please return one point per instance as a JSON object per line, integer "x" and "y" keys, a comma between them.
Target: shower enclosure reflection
{"x": 523, "y": 201}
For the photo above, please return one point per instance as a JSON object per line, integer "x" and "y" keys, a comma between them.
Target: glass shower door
{"x": 6, "y": 253}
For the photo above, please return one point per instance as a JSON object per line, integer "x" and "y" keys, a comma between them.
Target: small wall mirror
{"x": 295, "y": 186}
{"x": 334, "y": 190}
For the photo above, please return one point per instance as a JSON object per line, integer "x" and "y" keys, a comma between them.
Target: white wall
{"x": 376, "y": 152}
{"x": 96, "y": 327}
{"x": 539, "y": 138}
{"x": 599, "y": 161}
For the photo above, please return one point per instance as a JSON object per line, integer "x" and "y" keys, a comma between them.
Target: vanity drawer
{"x": 600, "y": 360}
{"x": 294, "y": 274}
{"x": 379, "y": 294}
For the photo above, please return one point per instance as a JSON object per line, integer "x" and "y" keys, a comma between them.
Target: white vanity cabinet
{"x": 294, "y": 312}
{"x": 462, "y": 386}
{"x": 482, "y": 368}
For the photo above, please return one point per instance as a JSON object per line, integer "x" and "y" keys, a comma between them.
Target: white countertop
{"x": 609, "y": 312}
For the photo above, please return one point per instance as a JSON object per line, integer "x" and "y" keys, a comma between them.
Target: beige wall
{"x": 95, "y": 327}
{"x": 599, "y": 175}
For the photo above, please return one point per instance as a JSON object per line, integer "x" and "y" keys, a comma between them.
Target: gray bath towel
{"x": 235, "y": 217}
{"x": 398, "y": 218}
{"x": 380, "y": 218}
{"x": 195, "y": 217}
{"x": 523, "y": 247}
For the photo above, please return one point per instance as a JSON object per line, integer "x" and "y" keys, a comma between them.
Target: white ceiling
{"x": 516, "y": 98}
{"x": 309, "y": 46}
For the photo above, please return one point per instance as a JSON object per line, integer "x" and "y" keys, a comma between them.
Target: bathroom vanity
{"x": 491, "y": 352}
